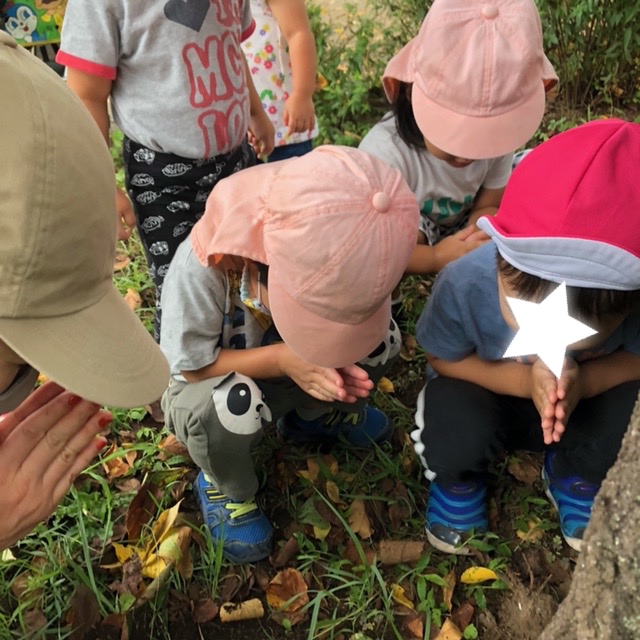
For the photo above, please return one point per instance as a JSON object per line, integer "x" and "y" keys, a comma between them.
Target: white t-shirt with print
{"x": 445, "y": 194}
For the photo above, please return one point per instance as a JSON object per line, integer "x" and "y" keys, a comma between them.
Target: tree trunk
{"x": 604, "y": 599}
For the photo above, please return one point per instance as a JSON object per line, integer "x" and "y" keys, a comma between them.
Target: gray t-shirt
{"x": 445, "y": 194}
{"x": 179, "y": 80}
{"x": 202, "y": 312}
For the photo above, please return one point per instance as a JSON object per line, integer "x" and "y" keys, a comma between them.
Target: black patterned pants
{"x": 169, "y": 194}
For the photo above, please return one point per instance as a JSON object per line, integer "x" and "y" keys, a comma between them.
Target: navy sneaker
{"x": 455, "y": 511}
{"x": 244, "y": 530}
{"x": 361, "y": 429}
{"x": 572, "y": 498}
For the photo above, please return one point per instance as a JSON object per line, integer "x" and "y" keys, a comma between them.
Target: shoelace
{"x": 337, "y": 416}
{"x": 237, "y": 509}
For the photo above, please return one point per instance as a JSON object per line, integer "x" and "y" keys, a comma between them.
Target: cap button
{"x": 489, "y": 11}
{"x": 381, "y": 201}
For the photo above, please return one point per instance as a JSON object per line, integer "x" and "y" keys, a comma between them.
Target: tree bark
{"x": 604, "y": 600}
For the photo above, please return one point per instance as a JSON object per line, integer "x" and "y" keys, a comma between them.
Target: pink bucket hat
{"x": 336, "y": 227}
{"x": 479, "y": 76}
{"x": 570, "y": 209}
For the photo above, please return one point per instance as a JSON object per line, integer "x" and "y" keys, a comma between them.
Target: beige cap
{"x": 59, "y": 309}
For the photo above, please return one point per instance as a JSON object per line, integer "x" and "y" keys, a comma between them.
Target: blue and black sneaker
{"x": 243, "y": 529}
{"x": 572, "y": 497}
{"x": 361, "y": 429}
{"x": 455, "y": 511}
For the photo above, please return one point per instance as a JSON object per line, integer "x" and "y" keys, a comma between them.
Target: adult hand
{"x": 261, "y": 134}
{"x": 126, "y": 217}
{"x": 299, "y": 114}
{"x": 455, "y": 246}
{"x": 322, "y": 383}
{"x": 544, "y": 393}
{"x": 44, "y": 445}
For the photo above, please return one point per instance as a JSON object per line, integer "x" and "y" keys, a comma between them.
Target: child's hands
{"x": 457, "y": 245}
{"x": 544, "y": 393}
{"x": 261, "y": 134}
{"x": 569, "y": 393}
{"x": 126, "y": 217}
{"x": 299, "y": 114}
{"x": 323, "y": 383}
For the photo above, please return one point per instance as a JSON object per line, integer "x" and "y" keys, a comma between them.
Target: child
{"x": 181, "y": 92}
{"x": 465, "y": 93}
{"x": 282, "y": 286}
{"x": 569, "y": 214}
{"x": 59, "y": 311}
{"x": 282, "y": 57}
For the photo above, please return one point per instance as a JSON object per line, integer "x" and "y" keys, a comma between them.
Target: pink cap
{"x": 570, "y": 209}
{"x": 479, "y": 76}
{"x": 336, "y": 227}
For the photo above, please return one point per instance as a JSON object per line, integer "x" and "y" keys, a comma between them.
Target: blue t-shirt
{"x": 463, "y": 315}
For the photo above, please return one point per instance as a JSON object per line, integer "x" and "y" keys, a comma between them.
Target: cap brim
{"x": 477, "y": 137}
{"x": 323, "y": 342}
{"x": 102, "y": 353}
{"x": 399, "y": 69}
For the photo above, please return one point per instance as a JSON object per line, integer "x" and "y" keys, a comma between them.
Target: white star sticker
{"x": 546, "y": 329}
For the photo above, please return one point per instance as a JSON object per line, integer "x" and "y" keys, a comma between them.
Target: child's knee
{"x": 387, "y": 350}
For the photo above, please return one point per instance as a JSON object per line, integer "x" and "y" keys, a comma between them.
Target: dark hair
{"x": 263, "y": 270}
{"x": 584, "y": 302}
{"x": 406, "y": 124}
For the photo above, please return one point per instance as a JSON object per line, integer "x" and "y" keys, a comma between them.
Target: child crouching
{"x": 569, "y": 215}
{"x": 277, "y": 308}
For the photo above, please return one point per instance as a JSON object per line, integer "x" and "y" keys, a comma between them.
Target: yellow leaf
{"x": 331, "y": 464}
{"x": 161, "y": 527}
{"x": 174, "y": 544}
{"x": 385, "y": 385}
{"x": 123, "y": 553}
{"x": 319, "y": 533}
{"x": 7, "y": 556}
{"x": 533, "y": 532}
{"x": 153, "y": 565}
{"x": 474, "y": 575}
{"x": 359, "y": 520}
{"x": 42, "y": 378}
{"x": 399, "y": 596}
{"x": 449, "y": 631}
{"x": 333, "y": 492}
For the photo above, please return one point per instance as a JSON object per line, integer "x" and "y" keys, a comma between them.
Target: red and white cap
{"x": 571, "y": 210}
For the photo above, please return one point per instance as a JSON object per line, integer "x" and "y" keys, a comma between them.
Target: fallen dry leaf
{"x": 533, "y": 532}
{"x": 141, "y": 510}
{"x": 414, "y": 625}
{"x": 312, "y": 471}
{"x": 287, "y": 594}
{"x": 385, "y": 385}
{"x": 204, "y": 611}
{"x": 333, "y": 492}
{"x": 84, "y": 612}
{"x": 359, "y": 520}
{"x": 392, "y": 552}
{"x": 475, "y": 575}
{"x": 447, "y": 590}
{"x": 449, "y": 631}
{"x": 463, "y": 615}
{"x": 408, "y": 348}
{"x": 171, "y": 446}
{"x": 34, "y": 620}
{"x": 399, "y": 596}
{"x": 121, "y": 261}
{"x": 133, "y": 299}
{"x": 117, "y": 466}
{"x": 287, "y": 553}
{"x": 524, "y": 469}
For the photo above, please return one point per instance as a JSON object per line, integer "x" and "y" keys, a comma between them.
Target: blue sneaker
{"x": 572, "y": 498}
{"x": 455, "y": 511}
{"x": 244, "y": 530}
{"x": 360, "y": 430}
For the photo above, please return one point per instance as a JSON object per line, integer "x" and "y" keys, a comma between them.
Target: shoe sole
{"x": 574, "y": 543}
{"x": 446, "y": 548}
